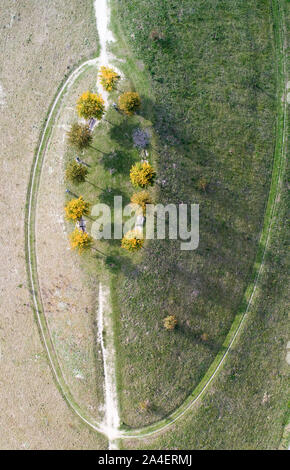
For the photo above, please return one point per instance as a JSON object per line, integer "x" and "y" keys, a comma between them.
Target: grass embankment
{"x": 246, "y": 408}
{"x": 214, "y": 112}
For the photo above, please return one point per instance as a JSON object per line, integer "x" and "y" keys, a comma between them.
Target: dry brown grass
{"x": 40, "y": 42}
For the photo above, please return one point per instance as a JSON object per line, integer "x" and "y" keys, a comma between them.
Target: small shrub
{"x": 129, "y": 102}
{"x": 204, "y": 337}
{"x": 142, "y": 174}
{"x": 170, "y": 322}
{"x": 76, "y": 173}
{"x": 132, "y": 241}
{"x": 202, "y": 184}
{"x": 76, "y": 208}
{"x": 156, "y": 35}
{"x": 80, "y": 240}
{"x": 90, "y": 105}
{"x": 142, "y": 198}
{"x": 144, "y": 406}
{"x": 108, "y": 78}
{"x": 79, "y": 135}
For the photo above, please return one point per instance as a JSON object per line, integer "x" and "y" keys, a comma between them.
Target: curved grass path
{"x": 241, "y": 316}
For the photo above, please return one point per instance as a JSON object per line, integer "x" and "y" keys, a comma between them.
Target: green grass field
{"x": 246, "y": 406}
{"x": 208, "y": 87}
{"x": 213, "y": 111}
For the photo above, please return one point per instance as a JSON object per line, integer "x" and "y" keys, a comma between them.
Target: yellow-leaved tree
{"x": 141, "y": 198}
{"x": 129, "y": 102}
{"x": 79, "y": 135}
{"x": 76, "y": 208}
{"x": 133, "y": 240}
{"x": 91, "y": 105}
{"x": 142, "y": 174}
{"x": 76, "y": 172}
{"x": 80, "y": 240}
{"x": 108, "y": 78}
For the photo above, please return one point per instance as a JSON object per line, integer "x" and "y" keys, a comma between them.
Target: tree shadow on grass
{"x": 119, "y": 161}
{"x": 195, "y": 337}
{"x": 122, "y": 132}
{"x": 107, "y": 196}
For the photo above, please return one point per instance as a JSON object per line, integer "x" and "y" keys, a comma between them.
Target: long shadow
{"x": 107, "y": 196}
{"x": 98, "y": 150}
{"x": 123, "y": 131}
{"x": 195, "y": 336}
{"x": 119, "y": 161}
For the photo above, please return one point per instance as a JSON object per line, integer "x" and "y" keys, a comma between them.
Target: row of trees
{"x": 142, "y": 174}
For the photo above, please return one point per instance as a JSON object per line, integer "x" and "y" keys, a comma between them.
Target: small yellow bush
{"x": 132, "y": 241}
{"x": 76, "y": 208}
{"x": 80, "y": 240}
{"x": 142, "y": 174}
{"x": 90, "y": 105}
{"x": 129, "y": 102}
{"x": 108, "y": 78}
{"x": 142, "y": 198}
{"x": 202, "y": 184}
{"x": 170, "y": 322}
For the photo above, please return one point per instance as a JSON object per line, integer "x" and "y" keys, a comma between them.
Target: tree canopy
{"x": 91, "y": 105}
{"x": 80, "y": 240}
{"x": 142, "y": 174}
{"x": 79, "y": 135}
{"x": 76, "y": 172}
{"x": 132, "y": 241}
{"x": 141, "y": 198}
{"x": 76, "y": 208}
{"x": 129, "y": 102}
{"x": 108, "y": 78}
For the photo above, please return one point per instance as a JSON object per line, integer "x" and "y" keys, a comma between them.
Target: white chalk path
{"x": 105, "y": 323}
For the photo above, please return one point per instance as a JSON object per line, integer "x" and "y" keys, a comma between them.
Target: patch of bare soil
{"x": 40, "y": 42}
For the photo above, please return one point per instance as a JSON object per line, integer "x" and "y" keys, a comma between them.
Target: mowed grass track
{"x": 213, "y": 78}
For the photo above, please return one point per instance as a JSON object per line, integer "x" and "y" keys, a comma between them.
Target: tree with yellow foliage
{"x": 108, "y": 78}
{"x": 91, "y": 105}
{"x": 129, "y": 102}
{"x": 80, "y": 240}
{"x": 76, "y": 172}
{"x": 170, "y": 322}
{"x": 141, "y": 198}
{"x": 132, "y": 241}
{"x": 76, "y": 208}
{"x": 79, "y": 135}
{"x": 142, "y": 174}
